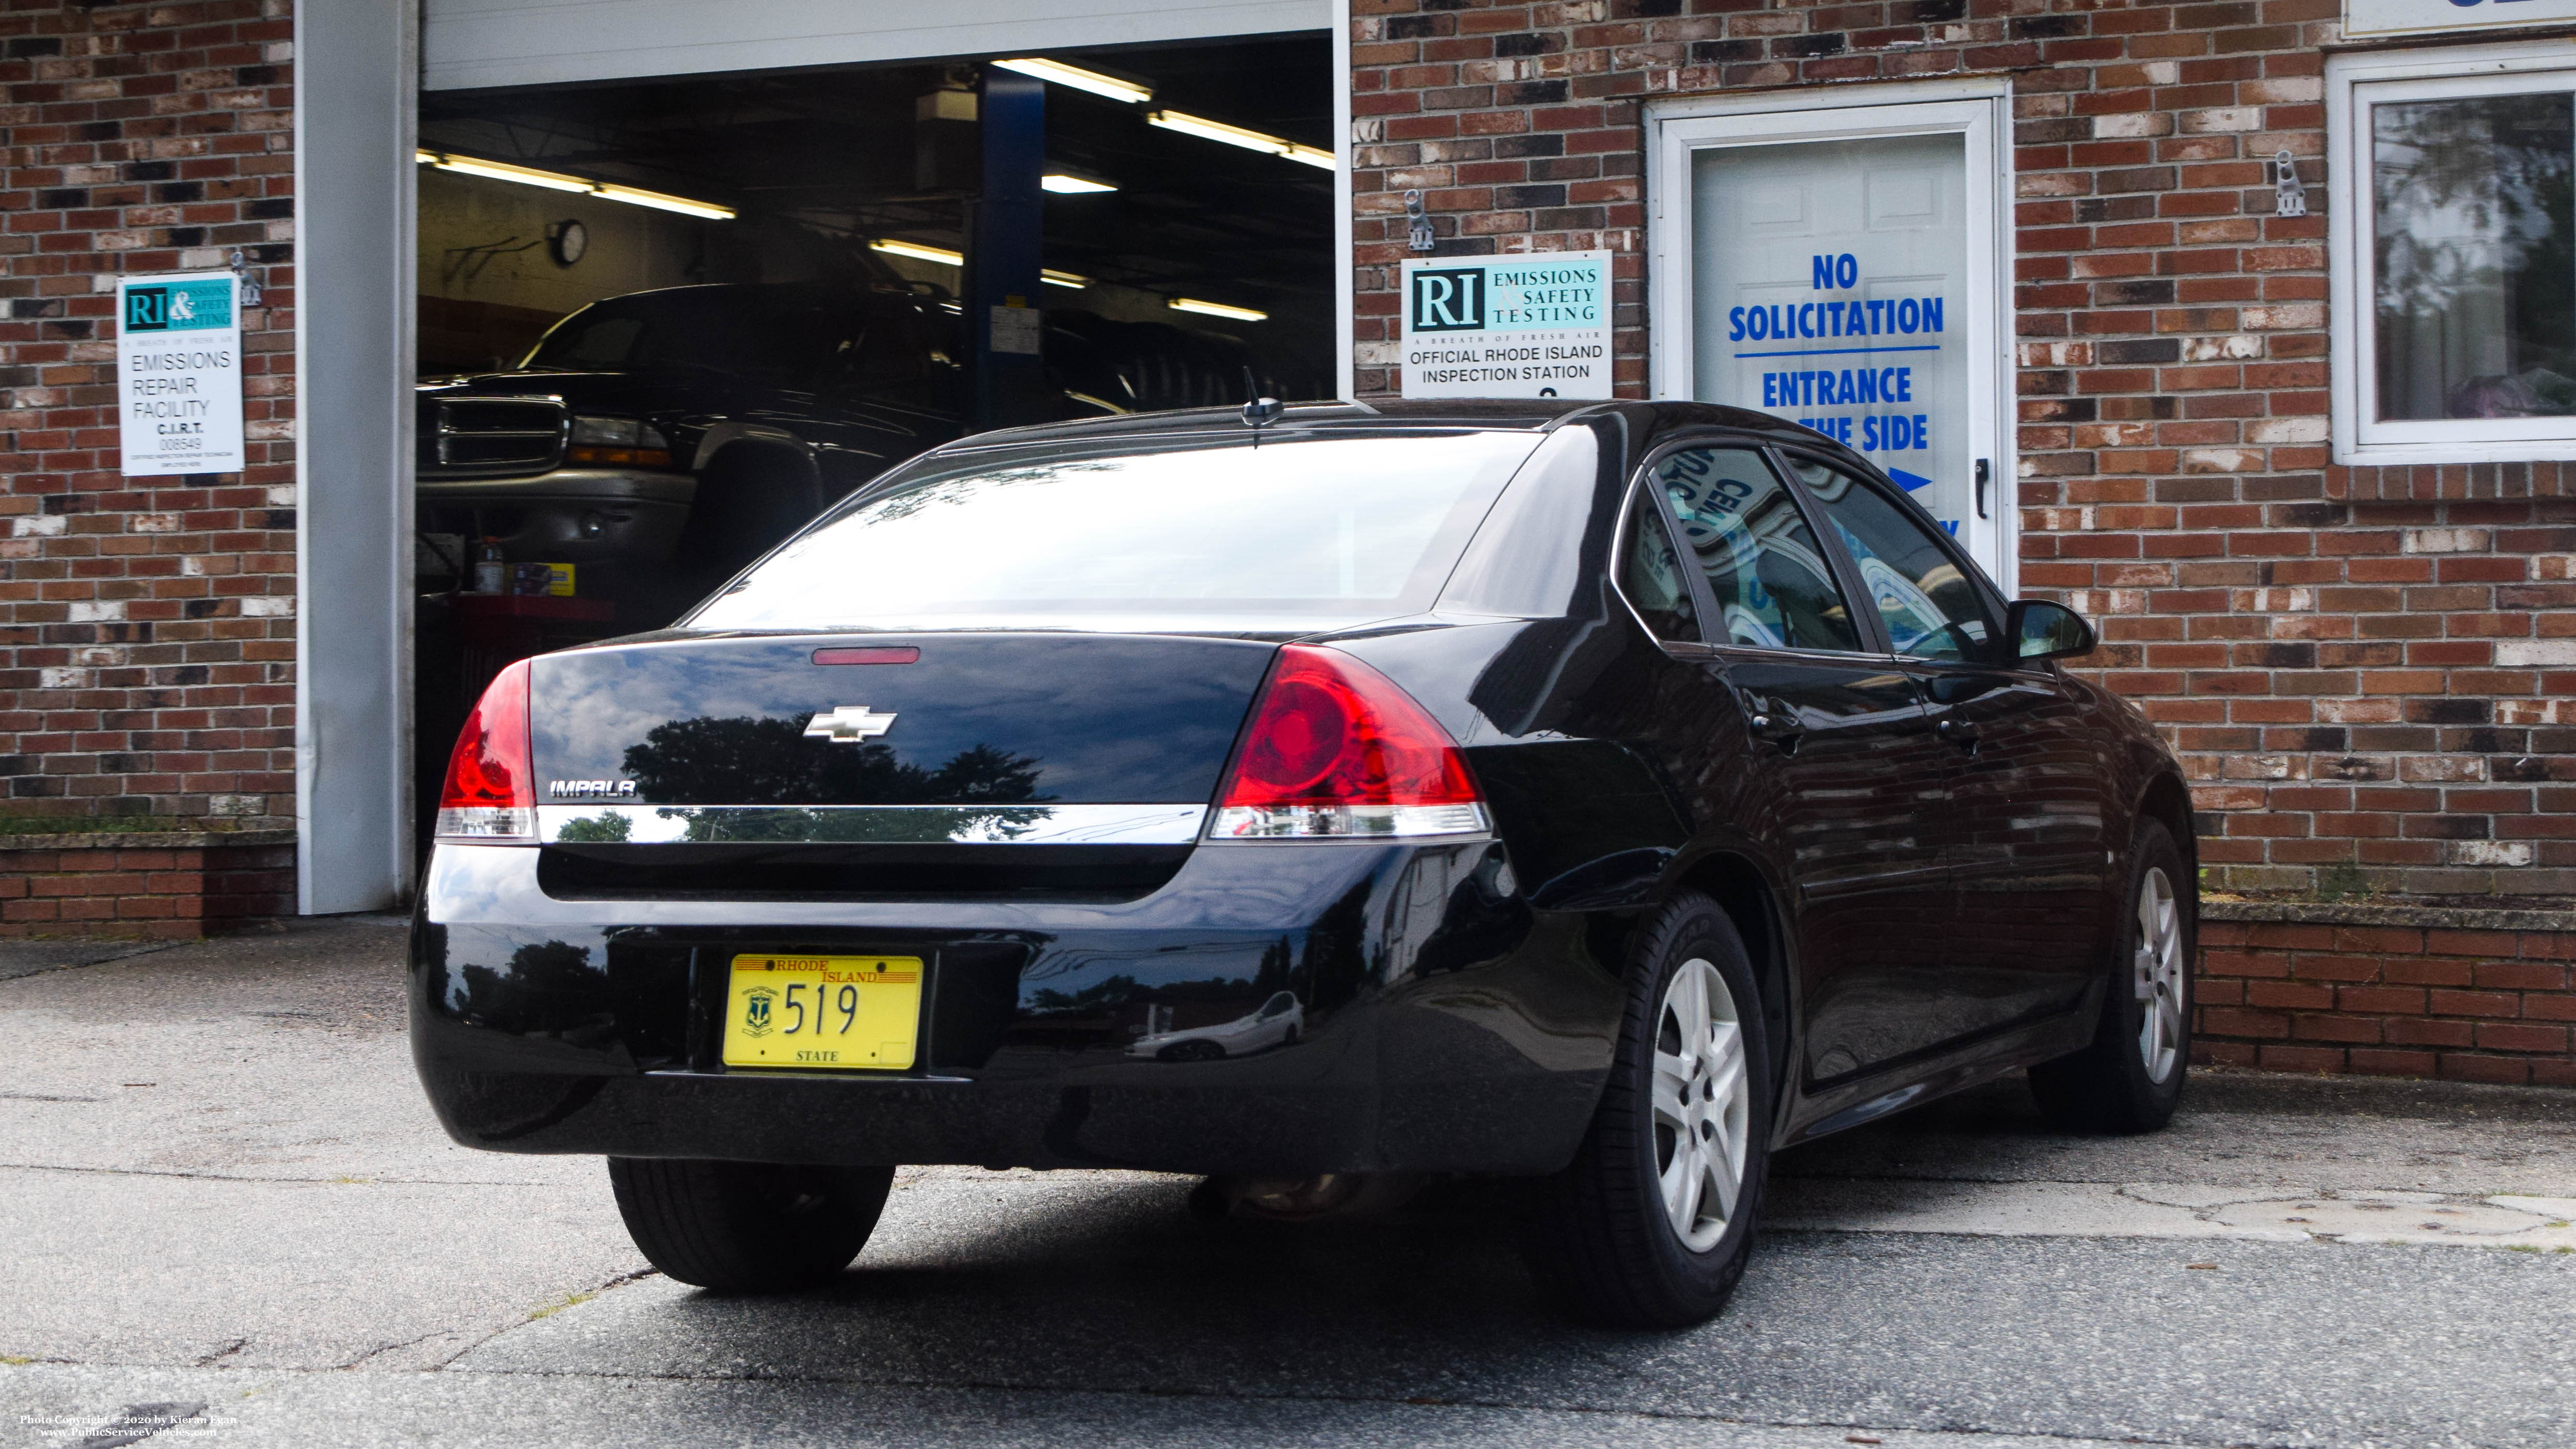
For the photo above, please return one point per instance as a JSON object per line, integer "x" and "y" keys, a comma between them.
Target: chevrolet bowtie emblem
{"x": 849, "y": 724}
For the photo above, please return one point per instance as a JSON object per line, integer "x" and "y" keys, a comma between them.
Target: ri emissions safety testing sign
{"x": 1525, "y": 326}
{"x": 178, "y": 373}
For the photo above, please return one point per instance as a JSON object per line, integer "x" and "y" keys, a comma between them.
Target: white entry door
{"x": 1839, "y": 265}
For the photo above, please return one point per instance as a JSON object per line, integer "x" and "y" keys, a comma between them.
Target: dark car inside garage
{"x": 662, "y": 323}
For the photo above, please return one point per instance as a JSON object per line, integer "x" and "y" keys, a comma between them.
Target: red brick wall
{"x": 2365, "y": 670}
{"x": 146, "y": 624}
{"x": 2410, "y": 1001}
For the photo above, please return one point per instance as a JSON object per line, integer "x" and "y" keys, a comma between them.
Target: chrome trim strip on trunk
{"x": 605, "y": 824}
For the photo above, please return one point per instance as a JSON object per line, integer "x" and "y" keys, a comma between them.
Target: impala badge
{"x": 848, "y": 725}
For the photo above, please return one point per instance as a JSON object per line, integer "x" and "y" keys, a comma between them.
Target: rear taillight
{"x": 491, "y": 790}
{"x": 1335, "y": 748}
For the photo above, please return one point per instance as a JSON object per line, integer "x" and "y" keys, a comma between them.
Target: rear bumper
{"x": 574, "y": 514}
{"x": 1442, "y": 1026}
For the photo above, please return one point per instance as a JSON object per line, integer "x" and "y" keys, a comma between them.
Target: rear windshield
{"x": 1337, "y": 525}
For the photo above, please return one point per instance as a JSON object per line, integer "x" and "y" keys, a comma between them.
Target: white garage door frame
{"x": 359, "y": 73}
{"x": 467, "y": 43}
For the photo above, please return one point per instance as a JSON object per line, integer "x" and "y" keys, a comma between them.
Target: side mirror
{"x": 2038, "y": 629}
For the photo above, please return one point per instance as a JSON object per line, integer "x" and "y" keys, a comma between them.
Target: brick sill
{"x": 172, "y": 884}
{"x": 2362, "y": 913}
{"x": 149, "y": 840}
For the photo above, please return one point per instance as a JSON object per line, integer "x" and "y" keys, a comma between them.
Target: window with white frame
{"x": 2455, "y": 256}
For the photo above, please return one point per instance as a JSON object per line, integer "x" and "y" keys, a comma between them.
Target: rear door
{"x": 1849, "y": 783}
{"x": 2026, "y": 839}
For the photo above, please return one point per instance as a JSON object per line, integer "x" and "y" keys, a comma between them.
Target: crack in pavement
{"x": 541, "y": 1313}
{"x": 15, "y": 967}
{"x": 385, "y": 1348}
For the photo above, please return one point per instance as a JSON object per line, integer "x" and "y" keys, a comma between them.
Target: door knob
{"x": 1958, "y": 732}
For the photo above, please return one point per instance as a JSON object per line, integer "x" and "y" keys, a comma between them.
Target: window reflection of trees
{"x": 896, "y": 506}
{"x": 596, "y": 830}
{"x": 768, "y": 762}
{"x": 544, "y": 986}
{"x": 2474, "y": 245}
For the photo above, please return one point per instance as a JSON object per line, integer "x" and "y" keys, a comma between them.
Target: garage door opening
{"x": 663, "y": 323}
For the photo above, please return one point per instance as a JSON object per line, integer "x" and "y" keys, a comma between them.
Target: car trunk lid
{"x": 967, "y": 720}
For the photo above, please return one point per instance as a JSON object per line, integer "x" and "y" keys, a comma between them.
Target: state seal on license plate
{"x": 826, "y": 1013}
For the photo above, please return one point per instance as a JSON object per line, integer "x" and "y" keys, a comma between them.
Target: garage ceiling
{"x": 832, "y": 151}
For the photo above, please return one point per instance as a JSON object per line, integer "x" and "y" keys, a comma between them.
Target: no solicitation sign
{"x": 1534, "y": 325}
{"x": 178, "y": 373}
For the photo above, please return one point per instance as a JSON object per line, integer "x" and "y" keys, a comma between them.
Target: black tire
{"x": 2110, "y": 1086}
{"x": 1607, "y": 1242}
{"x": 1196, "y": 1049}
{"x": 748, "y": 1227}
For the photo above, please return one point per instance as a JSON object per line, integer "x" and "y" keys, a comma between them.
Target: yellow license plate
{"x": 831, "y": 1013}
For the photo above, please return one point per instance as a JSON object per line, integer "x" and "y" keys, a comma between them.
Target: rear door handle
{"x": 1957, "y": 731}
{"x": 1778, "y": 727}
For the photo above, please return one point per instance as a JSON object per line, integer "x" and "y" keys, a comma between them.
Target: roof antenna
{"x": 1258, "y": 412}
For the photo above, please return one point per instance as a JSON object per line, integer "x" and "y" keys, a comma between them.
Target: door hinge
{"x": 1417, "y": 224}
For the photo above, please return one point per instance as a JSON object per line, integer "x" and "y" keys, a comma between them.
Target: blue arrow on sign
{"x": 1909, "y": 481}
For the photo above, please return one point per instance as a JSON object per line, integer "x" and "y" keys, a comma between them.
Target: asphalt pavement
{"x": 227, "y": 1217}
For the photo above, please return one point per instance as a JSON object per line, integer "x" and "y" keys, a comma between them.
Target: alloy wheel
{"x": 2157, "y": 973}
{"x": 1702, "y": 1105}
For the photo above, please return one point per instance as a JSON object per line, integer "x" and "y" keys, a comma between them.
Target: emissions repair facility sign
{"x": 1535, "y": 325}
{"x": 178, "y": 374}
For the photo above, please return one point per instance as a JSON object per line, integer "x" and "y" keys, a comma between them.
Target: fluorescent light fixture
{"x": 504, "y": 171}
{"x": 557, "y": 181}
{"x": 1080, "y": 79}
{"x": 1208, "y": 130}
{"x": 1217, "y": 309}
{"x": 918, "y": 251}
{"x": 637, "y": 196}
{"x": 924, "y": 252}
{"x": 1064, "y": 185}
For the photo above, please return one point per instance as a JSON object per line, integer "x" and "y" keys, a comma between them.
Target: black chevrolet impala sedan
{"x": 1604, "y": 793}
